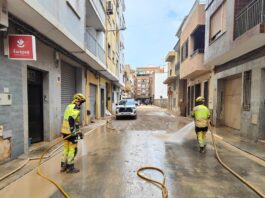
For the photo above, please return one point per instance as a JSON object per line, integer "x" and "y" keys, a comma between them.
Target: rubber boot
{"x": 71, "y": 169}
{"x": 63, "y": 167}
{"x": 204, "y": 149}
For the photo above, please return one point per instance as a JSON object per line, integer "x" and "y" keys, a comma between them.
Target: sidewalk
{"x": 232, "y": 137}
{"x": 35, "y": 152}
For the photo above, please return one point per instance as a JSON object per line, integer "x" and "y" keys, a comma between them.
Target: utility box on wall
{"x": 5, "y": 99}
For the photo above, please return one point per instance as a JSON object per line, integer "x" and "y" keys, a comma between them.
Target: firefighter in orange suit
{"x": 70, "y": 127}
{"x": 201, "y": 117}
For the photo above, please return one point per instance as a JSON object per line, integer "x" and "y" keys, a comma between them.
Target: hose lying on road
{"x": 47, "y": 178}
{"x": 162, "y": 185}
{"x": 35, "y": 158}
{"x": 27, "y": 161}
{"x": 15, "y": 170}
{"x": 39, "y": 163}
{"x": 232, "y": 171}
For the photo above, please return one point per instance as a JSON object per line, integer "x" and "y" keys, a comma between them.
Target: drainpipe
{"x": 262, "y": 11}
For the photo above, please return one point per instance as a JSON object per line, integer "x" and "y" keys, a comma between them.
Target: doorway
{"x": 189, "y": 100}
{"x": 232, "y": 102}
{"x": 197, "y": 91}
{"x": 206, "y": 93}
{"x": 262, "y": 109}
{"x": 192, "y": 101}
{"x": 35, "y": 105}
{"x": 102, "y": 102}
{"x": 68, "y": 85}
{"x": 93, "y": 92}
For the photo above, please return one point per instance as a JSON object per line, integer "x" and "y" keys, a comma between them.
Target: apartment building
{"x": 176, "y": 88}
{"x": 115, "y": 24}
{"x": 144, "y": 82}
{"x": 191, "y": 36}
{"x": 65, "y": 54}
{"x": 129, "y": 76}
{"x": 234, "y": 44}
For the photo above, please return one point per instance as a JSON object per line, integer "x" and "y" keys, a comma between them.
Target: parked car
{"x": 126, "y": 107}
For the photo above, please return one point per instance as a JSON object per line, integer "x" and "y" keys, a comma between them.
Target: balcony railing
{"x": 249, "y": 17}
{"x": 94, "y": 47}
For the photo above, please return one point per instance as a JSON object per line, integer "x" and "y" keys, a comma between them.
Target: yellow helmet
{"x": 200, "y": 99}
{"x": 78, "y": 98}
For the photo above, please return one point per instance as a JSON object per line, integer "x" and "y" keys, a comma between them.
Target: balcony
{"x": 94, "y": 47}
{"x": 170, "y": 56}
{"x": 247, "y": 34}
{"x": 95, "y": 14}
{"x": 193, "y": 66}
{"x": 252, "y": 15}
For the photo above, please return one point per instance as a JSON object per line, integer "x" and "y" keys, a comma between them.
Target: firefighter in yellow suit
{"x": 201, "y": 116}
{"x": 70, "y": 126}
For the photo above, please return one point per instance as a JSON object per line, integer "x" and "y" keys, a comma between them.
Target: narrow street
{"x": 109, "y": 160}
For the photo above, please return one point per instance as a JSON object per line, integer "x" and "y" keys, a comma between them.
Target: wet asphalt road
{"x": 109, "y": 159}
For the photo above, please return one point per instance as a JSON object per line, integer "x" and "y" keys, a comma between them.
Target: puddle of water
{"x": 179, "y": 136}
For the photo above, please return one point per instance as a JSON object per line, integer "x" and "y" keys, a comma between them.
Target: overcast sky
{"x": 151, "y": 28}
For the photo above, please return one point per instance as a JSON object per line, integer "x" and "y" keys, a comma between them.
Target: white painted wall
{"x": 160, "y": 87}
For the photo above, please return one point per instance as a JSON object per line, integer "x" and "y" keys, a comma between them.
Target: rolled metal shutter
{"x": 68, "y": 85}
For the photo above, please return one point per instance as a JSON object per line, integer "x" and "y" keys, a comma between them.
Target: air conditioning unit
{"x": 3, "y": 15}
{"x": 109, "y": 8}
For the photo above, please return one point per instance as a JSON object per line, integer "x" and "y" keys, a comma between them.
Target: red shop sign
{"x": 21, "y": 47}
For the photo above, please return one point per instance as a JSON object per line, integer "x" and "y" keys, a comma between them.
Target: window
{"x": 247, "y": 90}
{"x": 113, "y": 57}
{"x": 198, "y": 38}
{"x": 109, "y": 51}
{"x": 185, "y": 51}
{"x": 218, "y": 22}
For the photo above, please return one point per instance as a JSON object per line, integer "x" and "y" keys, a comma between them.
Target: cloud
{"x": 151, "y": 28}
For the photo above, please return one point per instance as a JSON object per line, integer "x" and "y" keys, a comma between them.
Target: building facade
{"x": 69, "y": 60}
{"x": 176, "y": 88}
{"x": 234, "y": 44}
{"x": 144, "y": 82}
{"x": 115, "y": 24}
{"x": 192, "y": 67}
{"x": 129, "y": 77}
